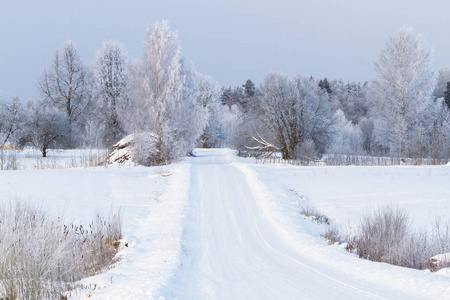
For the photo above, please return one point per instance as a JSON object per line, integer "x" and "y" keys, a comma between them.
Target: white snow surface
{"x": 345, "y": 193}
{"x": 219, "y": 227}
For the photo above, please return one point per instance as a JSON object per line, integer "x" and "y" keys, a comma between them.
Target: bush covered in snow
{"x": 39, "y": 255}
{"x": 385, "y": 235}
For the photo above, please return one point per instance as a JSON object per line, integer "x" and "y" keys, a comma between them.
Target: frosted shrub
{"x": 314, "y": 215}
{"x": 145, "y": 149}
{"x": 33, "y": 248}
{"x": 416, "y": 250}
{"x": 385, "y": 235}
{"x": 95, "y": 246}
{"x": 332, "y": 234}
{"x": 39, "y": 255}
{"x": 90, "y": 158}
{"x": 9, "y": 160}
{"x": 382, "y": 232}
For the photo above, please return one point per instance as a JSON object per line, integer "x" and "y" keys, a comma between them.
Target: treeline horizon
{"x": 170, "y": 108}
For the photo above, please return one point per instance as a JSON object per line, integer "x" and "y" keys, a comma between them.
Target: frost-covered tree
{"x": 195, "y": 116}
{"x": 436, "y": 131}
{"x": 442, "y": 79}
{"x": 367, "y": 127}
{"x": 293, "y": 112}
{"x": 110, "y": 84}
{"x": 10, "y": 119}
{"x": 66, "y": 85}
{"x": 233, "y": 96}
{"x": 207, "y": 94}
{"x": 349, "y": 138}
{"x": 237, "y": 98}
{"x": 232, "y": 126}
{"x": 160, "y": 104}
{"x": 44, "y": 126}
{"x": 350, "y": 98}
{"x": 225, "y": 95}
{"x": 402, "y": 89}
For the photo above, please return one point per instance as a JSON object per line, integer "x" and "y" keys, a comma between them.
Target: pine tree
{"x": 447, "y": 95}
{"x": 225, "y": 95}
{"x": 248, "y": 95}
{"x": 325, "y": 85}
{"x": 249, "y": 89}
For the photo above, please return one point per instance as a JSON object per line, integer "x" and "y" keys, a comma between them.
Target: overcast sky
{"x": 231, "y": 40}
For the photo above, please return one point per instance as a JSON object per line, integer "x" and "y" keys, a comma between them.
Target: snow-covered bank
{"x": 153, "y": 202}
{"x": 154, "y": 239}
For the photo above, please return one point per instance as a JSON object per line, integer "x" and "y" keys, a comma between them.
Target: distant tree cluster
{"x": 155, "y": 97}
{"x": 403, "y": 113}
{"x": 170, "y": 109}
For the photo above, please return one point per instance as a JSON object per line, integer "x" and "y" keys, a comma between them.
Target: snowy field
{"x": 345, "y": 193}
{"x": 31, "y": 159}
{"x": 219, "y": 227}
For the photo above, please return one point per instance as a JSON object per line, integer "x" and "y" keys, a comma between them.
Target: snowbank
{"x": 444, "y": 272}
{"x": 152, "y": 200}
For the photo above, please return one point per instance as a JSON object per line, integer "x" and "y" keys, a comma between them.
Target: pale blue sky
{"x": 230, "y": 40}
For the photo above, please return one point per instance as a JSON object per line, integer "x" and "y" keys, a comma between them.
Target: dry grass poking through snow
{"x": 29, "y": 159}
{"x": 40, "y": 256}
{"x": 314, "y": 215}
{"x": 385, "y": 235}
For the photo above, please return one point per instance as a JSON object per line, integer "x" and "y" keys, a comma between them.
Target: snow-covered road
{"x": 231, "y": 251}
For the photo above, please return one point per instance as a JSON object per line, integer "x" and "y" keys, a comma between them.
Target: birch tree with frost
{"x": 160, "y": 106}
{"x": 402, "y": 89}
